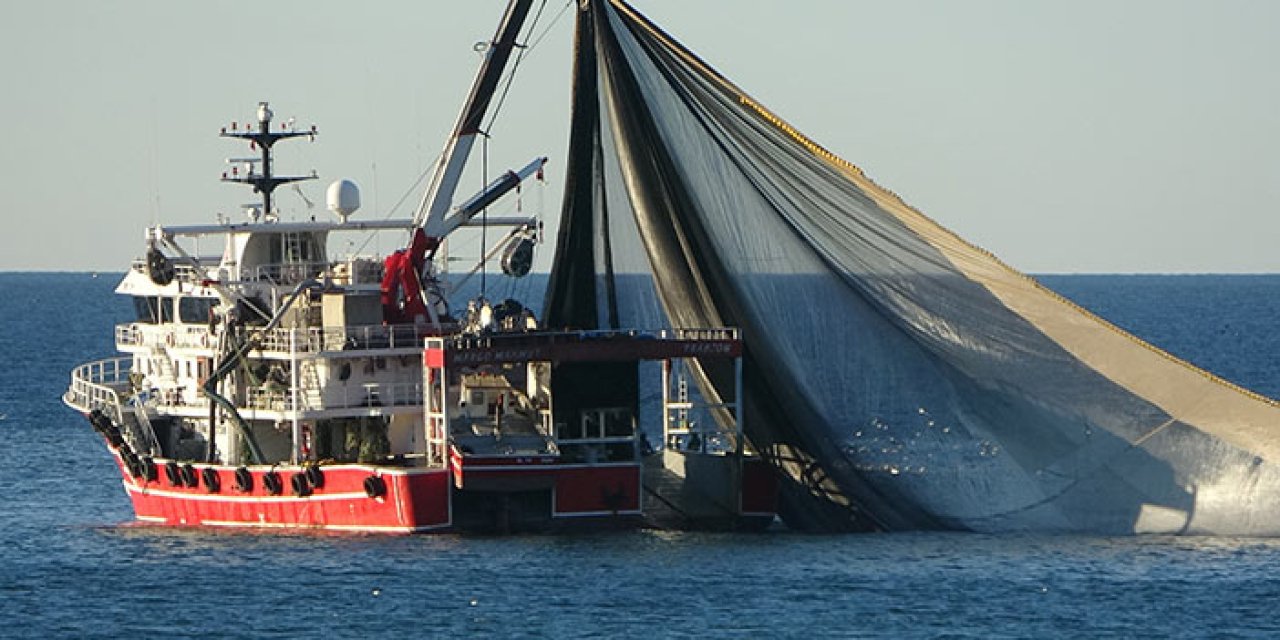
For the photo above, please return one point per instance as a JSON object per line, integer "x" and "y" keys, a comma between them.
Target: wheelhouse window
{"x": 195, "y": 310}
{"x": 153, "y": 309}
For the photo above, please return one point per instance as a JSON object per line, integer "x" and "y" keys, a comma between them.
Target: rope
{"x": 484, "y": 217}
{"x": 368, "y": 237}
{"x": 511, "y": 75}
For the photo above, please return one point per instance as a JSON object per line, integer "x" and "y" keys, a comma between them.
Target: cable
{"x": 525, "y": 50}
{"x": 484, "y": 216}
{"x": 554, "y": 22}
{"x": 408, "y": 192}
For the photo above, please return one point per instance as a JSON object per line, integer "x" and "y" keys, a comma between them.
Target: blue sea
{"x": 72, "y": 565}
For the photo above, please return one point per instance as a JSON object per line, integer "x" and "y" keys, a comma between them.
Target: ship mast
{"x": 263, "y": 138}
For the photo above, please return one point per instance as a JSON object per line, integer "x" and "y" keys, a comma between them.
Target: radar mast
{"x": 263, "y": 181}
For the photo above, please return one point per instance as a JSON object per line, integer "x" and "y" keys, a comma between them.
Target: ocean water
{"x": 72, "y": 565}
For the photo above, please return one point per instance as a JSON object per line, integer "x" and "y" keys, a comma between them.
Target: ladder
{"x": 312, "y": 395}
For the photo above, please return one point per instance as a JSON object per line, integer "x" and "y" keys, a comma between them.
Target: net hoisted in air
{"x": 896, "y": 375}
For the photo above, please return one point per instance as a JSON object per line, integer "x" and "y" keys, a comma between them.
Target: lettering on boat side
{"x": 708, "y": 348}
{"x": 500, "y": 355}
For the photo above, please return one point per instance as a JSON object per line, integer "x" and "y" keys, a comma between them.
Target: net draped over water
{"x": 896, "y": 375}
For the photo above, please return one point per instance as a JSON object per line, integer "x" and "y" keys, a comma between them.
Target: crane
{"x": 404, "y": 298}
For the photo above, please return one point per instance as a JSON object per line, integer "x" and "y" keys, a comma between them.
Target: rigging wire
{"x": 524, "y": 51}
{"x": 484, "y": 215}
{"x": 405, "y": 196}
{"x": 515, "y": 66}
{"x": 554, "y": 22}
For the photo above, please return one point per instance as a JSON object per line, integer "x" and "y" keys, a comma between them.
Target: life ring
{"x": 173, "y": 473}
{"x": 375, "y": 487}
{"x": 271, "y": 482}
{"x": 244, "y": 480}
{"x": 299, "y": 484}
{"x": 212, "y": 483}
{"x": 315, "y": 477}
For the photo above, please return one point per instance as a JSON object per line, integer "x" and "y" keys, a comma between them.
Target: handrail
{"x": 487, "y": 340}
{"x": 181, "y": 271}
{"x": 186, "y": 336}
{"x": 286, "y": 273}
{"x": 309, "y": 340}
{"x": 93, "y": 385}
{"x": 353, "y": 338}
{"x": 97, "y": 385}
{"x": 369, "y": 395}
{"x": 399, "y": 336}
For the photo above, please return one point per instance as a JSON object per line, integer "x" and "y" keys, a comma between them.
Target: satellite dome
{"x": 343, "y": 198}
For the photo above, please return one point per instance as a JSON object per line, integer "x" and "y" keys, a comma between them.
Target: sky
{"x": 1065, "y": 136}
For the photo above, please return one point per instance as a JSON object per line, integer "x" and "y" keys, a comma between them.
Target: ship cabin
{"x": 324, "y": 363}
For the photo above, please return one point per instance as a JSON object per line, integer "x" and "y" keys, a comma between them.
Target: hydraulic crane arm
{"x": 444, "y": 181}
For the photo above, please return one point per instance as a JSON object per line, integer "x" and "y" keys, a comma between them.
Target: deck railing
{"x": 182, "y": 271}
{"x": 369, "y": 395}
{"x": 386, "y": 337}
{"x": 286, "y": 273}
{"x": 309, "y": 340}
{"x": 355, "y": 338}
{"x": 96, "y": 385}
{"x": 192, "y": 336}
{"x": 489, "y": 340}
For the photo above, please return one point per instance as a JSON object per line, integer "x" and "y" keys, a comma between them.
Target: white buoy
{"x": 343, "y": 198}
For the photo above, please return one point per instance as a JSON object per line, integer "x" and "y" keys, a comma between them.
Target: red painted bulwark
{"x": 759, "y": 488}
{"x": 415, "y": 500}
{"x": 598, "y": 490}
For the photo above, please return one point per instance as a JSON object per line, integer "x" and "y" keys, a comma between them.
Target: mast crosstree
{"x": 263, "y": 138}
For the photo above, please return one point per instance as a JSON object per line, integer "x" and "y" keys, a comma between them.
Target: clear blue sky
{"x": 1065, "y": 136}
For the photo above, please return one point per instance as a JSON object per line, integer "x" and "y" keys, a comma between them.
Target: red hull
{"x": 415, "y": 500}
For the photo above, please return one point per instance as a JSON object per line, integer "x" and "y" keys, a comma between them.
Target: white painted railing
{"x": 356, "y": 338}
{"x": 184, "y": 336}
{"x": 96, "y": 385}
{"x": 354, "y": 396}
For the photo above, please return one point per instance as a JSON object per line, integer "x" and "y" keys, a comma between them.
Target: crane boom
{"x": 403, "y": 296}
{"x": 444, "y": 181}
{"x": 499, "y": 187}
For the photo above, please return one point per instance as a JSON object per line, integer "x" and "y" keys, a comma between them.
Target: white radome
{"x": 343, "y": 198}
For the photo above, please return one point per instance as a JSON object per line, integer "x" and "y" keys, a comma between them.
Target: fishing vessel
{"x": 273, "y": 384}
{"x": 830, "y": 352}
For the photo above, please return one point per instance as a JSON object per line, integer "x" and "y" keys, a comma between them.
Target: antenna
{"x": 263, "y": 180}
